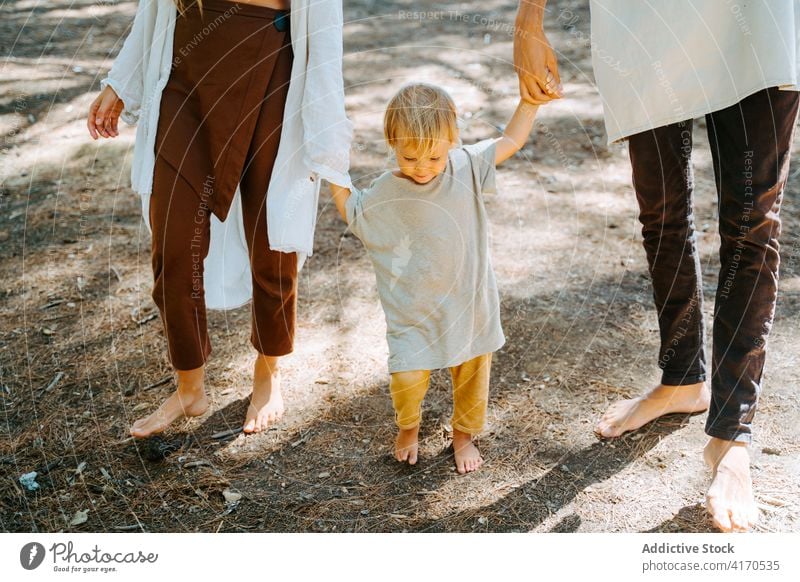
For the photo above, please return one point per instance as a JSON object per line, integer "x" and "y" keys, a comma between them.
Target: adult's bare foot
{"x": 468, "y": 457}
{"x": 266, "y": 402}
{"x": 189, "y": 399}
{"x": 406, "y": 445}
{"x": 730, "y": 500}
{"x": 627, "y": 415}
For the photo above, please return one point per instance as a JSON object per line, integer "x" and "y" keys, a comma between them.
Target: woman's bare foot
{"x": 188, "y": 400}
{"x": 730, "y": 500}
{"x": 406, "y": 445}
{"x": 468, "y": 457}
{"x": 634, "y": 413}
{"x": 266, "y": 402}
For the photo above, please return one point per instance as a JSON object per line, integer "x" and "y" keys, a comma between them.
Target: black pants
{"x": 751, "y": 143}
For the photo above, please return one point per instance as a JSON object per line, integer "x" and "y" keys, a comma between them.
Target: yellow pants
{"x": 470, "y": 394}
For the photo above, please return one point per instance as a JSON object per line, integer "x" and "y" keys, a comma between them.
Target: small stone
{"x": 365, "y": 512}
{"x": 28, "y": 480}
{"x": 321, "y": 381}
{"x": 771, "y": 451}
{"x": 231, "y": 496}
{"x": 482, "y": 520}
{"x": 324, "y": 475}
{"x": 80, "y": 517}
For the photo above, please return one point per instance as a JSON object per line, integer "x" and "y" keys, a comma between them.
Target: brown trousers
{"x": 219, "y": 126}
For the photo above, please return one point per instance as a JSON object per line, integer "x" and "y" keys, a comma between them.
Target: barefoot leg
{"x": 266, "y": 402}
{"x": 470, "y": 402}
{"x": 468, "y": 457}
{"x": 729, "y": 500}
{"x": 627, "y": 415}
{"x": 408, "y": 390}
{"x": 188, "y": 400}
{"x": 406, "y": 445}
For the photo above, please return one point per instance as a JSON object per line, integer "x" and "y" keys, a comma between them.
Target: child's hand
{"x": 552, "y": 85}
{"x": 104, "y": 114}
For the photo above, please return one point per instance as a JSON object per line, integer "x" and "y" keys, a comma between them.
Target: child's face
{"x": 418, "y": 166}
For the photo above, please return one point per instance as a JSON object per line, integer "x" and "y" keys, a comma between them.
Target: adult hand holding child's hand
{"x": 104, "y": 114}
{"x": 534, "y": 58}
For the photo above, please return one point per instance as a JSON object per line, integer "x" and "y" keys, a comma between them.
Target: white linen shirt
{"x": 315, "y": 136}
{"x": 658, "y": 62}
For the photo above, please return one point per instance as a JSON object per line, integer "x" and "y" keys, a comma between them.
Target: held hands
{"x": 104, "y": 114}
{"x": 537, "y": 67}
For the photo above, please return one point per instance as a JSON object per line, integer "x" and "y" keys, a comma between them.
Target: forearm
{"x": 516, "y": 132}
{"x": 530, "y": 15}
{"x": 340, "y": 196}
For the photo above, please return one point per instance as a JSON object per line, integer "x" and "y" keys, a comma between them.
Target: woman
{"x": 240, "y": 107}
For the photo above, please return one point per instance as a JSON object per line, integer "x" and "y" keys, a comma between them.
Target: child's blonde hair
{"x": 422, "y": 114}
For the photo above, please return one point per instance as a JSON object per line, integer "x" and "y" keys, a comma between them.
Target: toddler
{"x": 425, "y": 228}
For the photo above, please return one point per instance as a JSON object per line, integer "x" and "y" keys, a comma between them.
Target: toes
{"x": 412, "y": 457}
{"x": 737, "y": 520}
{"x": 719, "y": 517}
{"x": 742, "y": 520}
{"x": 605, "y": 431}
{"x": 402, "y": 454}
{"x": 249, "y": 425}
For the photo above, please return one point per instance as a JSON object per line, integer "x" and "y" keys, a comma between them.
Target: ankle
{"x": 267, "y": 363}
{"x": 191, "y": 383}
{"x": 408, "y": 430}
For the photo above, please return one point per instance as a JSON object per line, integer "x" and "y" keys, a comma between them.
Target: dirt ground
{"x": 82, "y": 352}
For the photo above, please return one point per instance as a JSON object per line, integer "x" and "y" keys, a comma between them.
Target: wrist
{"x": 530, "y": 15}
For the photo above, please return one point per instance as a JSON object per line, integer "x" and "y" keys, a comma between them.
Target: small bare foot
{"x": 266, "y": 402}
{"x": 729, "y": 500}
{"x": 634, "y": 413}
{"x": 406, "y": 446}
{"x": 188, "y": 400}
{"x": 468, "y": 457}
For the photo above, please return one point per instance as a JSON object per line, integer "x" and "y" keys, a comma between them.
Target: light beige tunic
{"x": 429, "y": 245}
{"x": 658, "y": 62}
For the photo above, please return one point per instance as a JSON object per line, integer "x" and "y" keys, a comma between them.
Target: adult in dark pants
{"x": 656, "y": 70}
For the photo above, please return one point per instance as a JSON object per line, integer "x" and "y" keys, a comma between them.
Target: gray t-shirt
{"x": 429, "y": 245}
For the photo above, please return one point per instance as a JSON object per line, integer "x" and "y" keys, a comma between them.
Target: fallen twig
{"x": 159, "y": 383}
{"x": 226, "y": 433}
